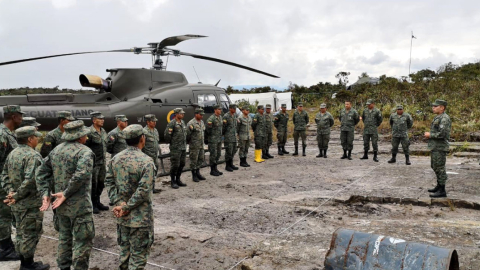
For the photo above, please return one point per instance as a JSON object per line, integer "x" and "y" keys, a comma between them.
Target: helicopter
{"x": 133, "y": 92}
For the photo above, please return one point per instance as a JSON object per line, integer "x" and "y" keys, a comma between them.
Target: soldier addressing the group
{"x": 243, "y": 130}
{"x": 130, "y": 176}
{"x": 300, "y": 122}
{"x": 195, "y": 139}
{"x": 31, "y": 122}
{"x": 214, "y": 138}
{"x": 372, "y": 119}
{"x": 349, "y": 119}
{"x": 324, "y": 122}
{"x": 12, "y": 119}
{"x": 280, "y": 122}
{"x": 116, "y": 141}
{"x": 400, "y": 122}
{"x": 438, "y": 145}
{"x": 258, "y": 126}
{"x": 268, "y": 130}
{"x": 54, "y": 137}
{"x": 152, "y": 143}
{"x": 18, "y": 180}
{"x": 97, "y": 142}
{"x": 68, "y": 169}
{"x": 176, "y": 135}
{"x": 230, "y": 137}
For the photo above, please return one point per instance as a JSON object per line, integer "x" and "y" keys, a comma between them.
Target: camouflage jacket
{"x": 243, "y": 127}
{"x": 129, "y": 179}
{"x": 300, "y": 120}
{"x": 116, "y": 141}
{"x": 440, "y": 133}
{"x": 258, "y": 125}
{"x": 372, "y": 119}
{"x": 18, "y": 176}
{"x": 281, "y": 121}
{"x": 400, "y": 124}
{"x": 176, "y": 135}
{"x": 230, "y": 127}
{"x": 214, "y": 128}
{"x": 195, "y": 133}
{"x": 152, "y": 140}
{"x": 324, "y": 123}
{"x": 52, "y": 139}
{"x": 97, "y": 142}
{"x": 348, "y": 119}
{"x": 268, "y": 122}
{"x": 8, "y": 142}
{"x": 68, "y": 169}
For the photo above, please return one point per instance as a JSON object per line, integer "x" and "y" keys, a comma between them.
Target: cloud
{"x": 61, "y": 4}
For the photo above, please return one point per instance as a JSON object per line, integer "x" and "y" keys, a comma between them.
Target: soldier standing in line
{"x": 176, "y": 135}
{"x": 230, "y": 135}
{"x": 152, "y": 144}
{"x": 68, "y": 169}
{"x": 268, "y": 129}
{"x": 300, "y": 121}
{"x": 97, "y": 142}
{"x": 214, "y": 137}
{"x": 372, "y": 119}
{"x": 438, "y": 145}
{"x": 243, "y": 130}
{"x": 349, "y": 119}
{"x": 54, "y": 137}
{"x": 281, "y": 123}
{"x": 12, "y": 119}
{"x": 30, "y": 122}
{"x": 324, "y": 122}
{"x": 18, "y": 180}
{"x": 400, "y": 122}
{"x": 195, "y": 139}
{"x": 258, "y": 126}
{"x": 129, "y": 181}
{"x": 116, "y": 141}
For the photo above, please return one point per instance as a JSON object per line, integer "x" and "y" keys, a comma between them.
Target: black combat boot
{"x": 199, "y": 176}
{"x": 267, "y": 152}
{"x": 179, "y": 182}
{"x": 324, "y": 153}
{"x": 349, "y": 155}
{"x": 245, "y": 162}
{"x": 213, "y": 171}
{"x": 393, "y": 159}
{"x": 441, "y": 193}
{"x": 407, "y": 160}
{"x": 28, "y": 264}
{"x": 155, "y": 190}
{"x": 435, "y": 189}
{"x": 280, "y": 152}
{"x": 233, "y": 166}
{"x": 100, "y": 206}
{"x": 375, "y": 156}
{"x": 264, "y": 154}
{"x": 365, "y": 155}
{"x": 173, "y": 181}
{"x": 296, "y": 151}
{"x": 194, "y": 176}
{"x": 227, "y": 166}
{"x": 321, "y": 153}
{"x": 303, "y": 150}
{"x": 284, "y": 151}
{"x": 7, "y": 251}
{"x": 94, "y": 204}
{"x": 344, "y": 154}
{"x": 216, "y": 169}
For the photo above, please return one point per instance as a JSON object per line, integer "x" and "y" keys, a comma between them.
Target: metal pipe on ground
{"x": 352, "y": 250}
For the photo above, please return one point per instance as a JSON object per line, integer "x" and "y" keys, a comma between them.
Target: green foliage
{"x": 243, "y": 102}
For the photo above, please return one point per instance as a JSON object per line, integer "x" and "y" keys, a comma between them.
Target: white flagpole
{"x": 411, "y": 44}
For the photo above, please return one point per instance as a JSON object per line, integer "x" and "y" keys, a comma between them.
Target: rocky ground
{"x": 254, "y": 218}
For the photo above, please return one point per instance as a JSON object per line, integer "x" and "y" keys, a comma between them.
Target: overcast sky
{"x": 301, "y": 41}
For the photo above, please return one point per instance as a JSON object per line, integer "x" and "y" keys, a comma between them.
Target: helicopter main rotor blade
{"x": 58, "y": 55}
{"x": 226, "y": 63}
{"x": 172, "y": 41}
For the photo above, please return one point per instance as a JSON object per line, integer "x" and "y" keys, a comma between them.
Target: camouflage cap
{"x": 12, "y": 109}
{"x": 65, "y": 114}
{"x": 399, "y": 107}
{"x": 268, "y": 106}
{"x": 284, "y": 105}
{"x": 151, "y": 117}
{"x": 232, "y": 106}
{"x": 75, "y": 130}
{"x": 370, "y": 101}
{"x": 178, "y": 110}
{"x": 323, "y": 106}
{"x": 97, "y": 115}
{"x": 260, "y": 107}
{"x": 300, "y": 104}
{"x": 121, "y": 117}
{"x": 199, "y": 111}
{"x": 246, "y": 107}
{"x": 30, "y": 121}
{"x": 439, "y": 102}
{"x": 133, "y": 131}
{"x": 216, "y": 106}
{"x": 25, "y": 132}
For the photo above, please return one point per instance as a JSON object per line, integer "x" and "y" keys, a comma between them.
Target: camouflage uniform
{"x": 129, "y": 180}
{"x": 243, "y": 130}
{"x": 69, "y": 169}
{"x": 176, "y": 135}
{"x": 30, "y": 121}
{"x": 280, "y": 122}
{"x": 259, "y": 132}
{"x": 8, "y": 142}
{"x": 268, "y": 131}
{"x": 54, "y": 137}
{"x": 324, "y": 123}
{"x": 97, "y": 142}
{"x": 214, "y": 133}
{"x": 349, "y": 119}
{"x": 300, "y": 121}
{"x": 400, "y": 126}
{"x": 196, "y": 138}
{"x": 372, "y": 119}
{"x": 152, "y": 140}
{"x": 230, "y": 138}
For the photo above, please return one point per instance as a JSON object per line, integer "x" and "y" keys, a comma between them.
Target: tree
{"x": 342, "y": 77}
{"x": 363, "y": 75}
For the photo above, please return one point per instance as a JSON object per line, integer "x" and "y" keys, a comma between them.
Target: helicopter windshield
{"x": 224, "y": 102}
{"x": 206, "y": 101}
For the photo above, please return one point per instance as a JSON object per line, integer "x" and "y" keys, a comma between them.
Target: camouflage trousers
{"x": 29, "y": 230}
{"x": 302, "y": 134}
{"x": 437, "y": 162}
{"x": 197, "y": 157}
{"x": 243, "y": 146}
{"x": 6, "y": 218}
{"x": 269, "y": 140}
{"x": 98, "y": 180}
{"x": 134, "y": 245}
{"x": 322, "y": 141}
{"x": 259, "y": 142}
{"x": 230, "y": 150}
{"x": 282, "y": 137}
{"x": 405, "y": 145}
{"x": 215, "y": 149}
{"x": 75, "y": 241}
{"x": 346, "y": 139}
{"x": 177, "y": 160}
{"x": 366, "y": 141}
